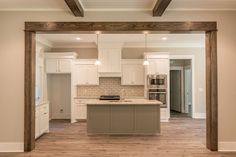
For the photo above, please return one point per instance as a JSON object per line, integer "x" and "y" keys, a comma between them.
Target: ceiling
{"x": 114, "y": 5}
{"x": 126, "y": 40}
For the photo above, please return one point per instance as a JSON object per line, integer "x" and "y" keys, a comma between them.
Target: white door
{"x": 51, "y": 65}
{"x": 175, "y": 90}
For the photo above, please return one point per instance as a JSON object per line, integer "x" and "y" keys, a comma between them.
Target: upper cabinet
{"x": 85, "y": 73}
{"x": 59, "y": 62}
{"x": 132, "y": 72}
{"x": 110, "y": 62}
{"x": 158, "y": 64}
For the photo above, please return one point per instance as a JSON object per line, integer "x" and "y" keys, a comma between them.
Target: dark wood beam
{"x": 160, "y": 7}
{"x": 119, "y": 27}
{"x": 75, "y": 7}
{"x": 29, "y": 125}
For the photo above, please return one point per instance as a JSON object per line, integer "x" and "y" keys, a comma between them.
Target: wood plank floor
{"x": 181, "y": 137}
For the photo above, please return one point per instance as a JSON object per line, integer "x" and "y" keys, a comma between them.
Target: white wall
{"x": 12, "y": 62}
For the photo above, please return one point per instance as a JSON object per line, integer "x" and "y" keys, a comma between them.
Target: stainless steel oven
{"x": 157, "y": 81}
{"x": 158, "y": 94}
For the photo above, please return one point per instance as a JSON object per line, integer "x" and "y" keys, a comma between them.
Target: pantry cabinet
{"x": 59, "y": 63}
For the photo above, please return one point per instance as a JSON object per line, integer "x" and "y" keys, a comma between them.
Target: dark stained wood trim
{"x": 118, "y": 27}
{"x": 75, "y": 7}
{"x": 211, "y": 91}
{"x": 210, "y": 28}
{"x": 160, "y": 7}
{"x": 29, "y": 125}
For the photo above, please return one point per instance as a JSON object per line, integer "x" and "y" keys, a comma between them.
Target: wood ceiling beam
{"x": 160, "y": 7}
{"x": 75, "y": 7}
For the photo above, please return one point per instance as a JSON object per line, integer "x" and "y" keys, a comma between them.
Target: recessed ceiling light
{"x": 164, "y": 38}
{"x": 78, "y": 38}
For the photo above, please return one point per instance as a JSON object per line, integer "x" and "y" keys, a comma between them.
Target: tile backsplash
{"x": 110, "y": 86}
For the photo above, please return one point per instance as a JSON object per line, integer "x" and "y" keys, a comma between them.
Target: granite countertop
{"x": 124, "y": 102}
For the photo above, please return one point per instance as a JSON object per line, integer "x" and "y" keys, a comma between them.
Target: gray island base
{"x": 113, "y": 118}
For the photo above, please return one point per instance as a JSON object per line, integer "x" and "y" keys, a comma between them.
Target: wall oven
{"x": 157, "y": 88}
{"x": 157, "y": 81}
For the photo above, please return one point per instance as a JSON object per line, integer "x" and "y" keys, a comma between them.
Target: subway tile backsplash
{"x": 110, "y": 86}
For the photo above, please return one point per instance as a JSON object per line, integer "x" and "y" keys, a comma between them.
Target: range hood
{"x": 110, "y": 57}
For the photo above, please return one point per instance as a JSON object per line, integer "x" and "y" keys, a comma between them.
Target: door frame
{"x": 192, "y": 58}
{"x": 181, "y": 69}
{"x": 210, "y": 29}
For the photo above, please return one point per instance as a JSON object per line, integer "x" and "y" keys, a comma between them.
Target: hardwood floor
{"x": 181, "y": 137}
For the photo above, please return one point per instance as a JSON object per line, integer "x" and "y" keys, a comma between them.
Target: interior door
{"x": 175, "y": 90}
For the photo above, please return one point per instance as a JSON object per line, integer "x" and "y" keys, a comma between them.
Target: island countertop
{"x": 124, "y": 102}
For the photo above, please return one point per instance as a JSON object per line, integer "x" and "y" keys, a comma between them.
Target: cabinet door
{"x": 37, "y": 122}
{"x": 114, "y": 60}
{"x": 132, "y": 74}
{"x": 51, "y": 65}
{"x": 86, "y": 74}
{"x": 139, "y": 74}
{"x": 81, "y": 111}
{"x": 127, "y": 74}
{"x": 162, "y": 66}
{"x": 158, "y": 66}
{"x": 64, "y": 66}
{"x": 81, "y": 75}
{"x": 104, "y": 58}
{"x": 92, "y": 74}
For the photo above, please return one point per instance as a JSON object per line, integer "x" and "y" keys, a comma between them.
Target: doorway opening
{"x": 181, "y": 88}
{"x": 130, "y": 27}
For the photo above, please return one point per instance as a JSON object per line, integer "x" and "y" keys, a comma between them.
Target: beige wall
{"x": 83, "y": 53}
{"x": 12, "y": 62}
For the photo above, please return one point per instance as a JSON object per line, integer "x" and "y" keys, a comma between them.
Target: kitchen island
{"x": 117, "y": 117}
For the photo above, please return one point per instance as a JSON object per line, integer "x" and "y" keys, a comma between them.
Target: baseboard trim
{"x": 199, "y": 115}
{"x": 11, "y": 147}
{"x": 227, "y": 146}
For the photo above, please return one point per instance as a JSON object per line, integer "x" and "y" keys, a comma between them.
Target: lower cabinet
{"x": 81, "y": 111}
{"x": 41, "y": 119}
{"x": 123, "y": 119}
{"x": 164, "y": 115}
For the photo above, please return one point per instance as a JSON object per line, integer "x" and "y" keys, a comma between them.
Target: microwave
{"x": 157, "y": 81}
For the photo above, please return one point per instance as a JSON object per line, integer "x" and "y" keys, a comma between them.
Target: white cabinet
{"x": 37, "y": 122}
{"x": 41, "y": 119}
{"x": 58, "y": 65}
{"x": 158, "y": 66}
{"x": 132, "y": 72}
{"x": 110, "y": 60}
{"x": 86, "y": 74}
{"x": 59, "y": 62}
{"x": 80, "y": 109}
